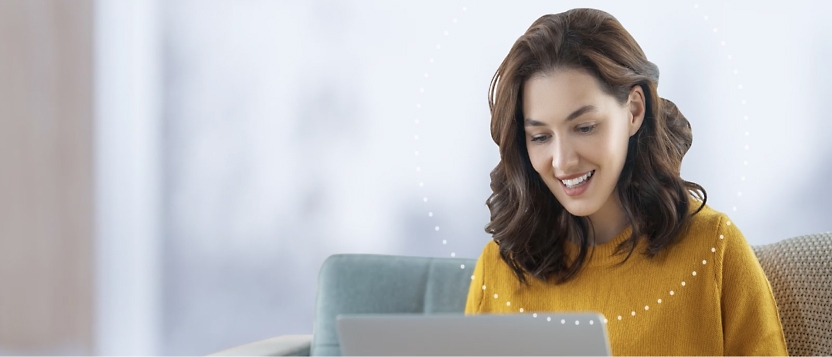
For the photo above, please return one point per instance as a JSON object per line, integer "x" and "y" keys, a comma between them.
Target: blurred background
{"x": 173, "y": 173}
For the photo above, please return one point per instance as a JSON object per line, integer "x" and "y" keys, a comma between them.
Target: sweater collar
{"x": 602, "y": 254}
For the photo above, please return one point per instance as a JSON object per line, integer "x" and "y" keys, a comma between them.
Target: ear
{"x": 636, "y": 104}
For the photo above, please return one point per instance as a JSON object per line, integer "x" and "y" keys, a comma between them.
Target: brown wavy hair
{"x": 527, "y": 221}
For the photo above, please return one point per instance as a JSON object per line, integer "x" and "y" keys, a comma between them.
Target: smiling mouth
{"x": 578, "y": 181}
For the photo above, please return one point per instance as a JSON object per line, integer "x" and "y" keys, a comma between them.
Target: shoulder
{"x": 482, "y": 277}
{"x": 715, "y": 231}
{"x": 710, "y": 223}
{"x": 707, "y": 218}
{"x": 714, "y": 234}
{"x": 491, "y": 250}
{"x": 491, "y": 266}
{"x": 489, "y": 257}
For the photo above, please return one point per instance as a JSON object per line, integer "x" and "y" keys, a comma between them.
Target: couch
{"x": 799, "y": 270}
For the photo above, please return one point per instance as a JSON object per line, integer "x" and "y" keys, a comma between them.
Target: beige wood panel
{"x": 46, "y": 173}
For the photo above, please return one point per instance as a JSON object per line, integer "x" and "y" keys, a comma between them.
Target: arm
{"x": 750, "y": 321}
{"x": 475, "y": 293}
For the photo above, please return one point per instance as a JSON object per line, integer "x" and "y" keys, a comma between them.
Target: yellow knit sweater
{"x": 706, "y": 295}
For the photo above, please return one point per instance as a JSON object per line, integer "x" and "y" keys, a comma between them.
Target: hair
{"x": 527, "y": 221}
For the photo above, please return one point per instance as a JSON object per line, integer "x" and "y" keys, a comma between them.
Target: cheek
{"x": 541, "y": 162}
{"x": 613, "y": 146}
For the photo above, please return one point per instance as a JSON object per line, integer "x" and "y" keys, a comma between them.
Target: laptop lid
{"x": 547, "y": 334}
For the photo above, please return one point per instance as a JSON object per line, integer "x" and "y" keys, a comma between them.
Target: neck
{"x": 609, "y": 221}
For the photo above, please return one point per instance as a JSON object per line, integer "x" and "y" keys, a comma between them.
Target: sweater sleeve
{"x": 475, "y": 293}
{"x": 750, "y": 321}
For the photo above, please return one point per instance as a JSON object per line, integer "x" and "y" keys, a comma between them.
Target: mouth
{"x": 577, "y": 186}
{"x": 578, "y": 181}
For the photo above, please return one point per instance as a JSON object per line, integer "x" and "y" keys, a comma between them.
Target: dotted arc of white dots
{"x": 633, "y": 313}
{"x": 416, "y": 137}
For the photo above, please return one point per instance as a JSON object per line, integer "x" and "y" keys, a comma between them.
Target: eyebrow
{"x": 583, "y": 110}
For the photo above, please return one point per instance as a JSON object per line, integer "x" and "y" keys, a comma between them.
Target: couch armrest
{"x": 286, "y": 345}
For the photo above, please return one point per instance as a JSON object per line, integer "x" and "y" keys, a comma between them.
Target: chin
{"x": 579, "y": 211}
{"x": 580, "y": 207}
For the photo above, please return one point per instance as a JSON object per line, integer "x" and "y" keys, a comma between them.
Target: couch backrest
{"x": 799, "y": 270}
{"x": 800, "y": 273}
{"x": 384, "y": 284}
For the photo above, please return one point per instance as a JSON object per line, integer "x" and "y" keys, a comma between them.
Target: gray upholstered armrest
{"x": 286, "y": 345}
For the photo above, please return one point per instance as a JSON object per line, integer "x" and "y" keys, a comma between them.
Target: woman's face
{"x": 577, "y": 136}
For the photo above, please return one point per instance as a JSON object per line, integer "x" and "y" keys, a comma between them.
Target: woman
{"x": 589, "y": 212}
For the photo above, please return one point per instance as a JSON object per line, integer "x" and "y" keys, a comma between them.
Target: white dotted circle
{"x": 420, "y": 104}
{"x": 693, "y": 273}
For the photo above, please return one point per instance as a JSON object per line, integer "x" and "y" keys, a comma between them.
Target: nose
{"x": 564, "y": 157}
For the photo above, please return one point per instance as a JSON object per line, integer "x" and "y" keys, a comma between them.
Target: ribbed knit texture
{"x": 705, "y": 295}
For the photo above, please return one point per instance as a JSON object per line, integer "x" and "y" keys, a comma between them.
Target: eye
{"x": 540, "y": 138}
{"x": 586, "y": 129}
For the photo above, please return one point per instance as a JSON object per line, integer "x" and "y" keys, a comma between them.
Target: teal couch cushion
{"x": 385, "y": 284}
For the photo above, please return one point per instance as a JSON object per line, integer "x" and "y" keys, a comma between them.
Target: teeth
{"x": 578, "y": 180}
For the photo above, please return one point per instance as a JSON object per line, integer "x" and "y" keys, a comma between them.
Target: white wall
{"x": 128, "y": 214}
{"x": 288, "y": 130}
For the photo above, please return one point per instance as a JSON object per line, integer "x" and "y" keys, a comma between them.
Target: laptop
{"x": 540, "y": 334}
